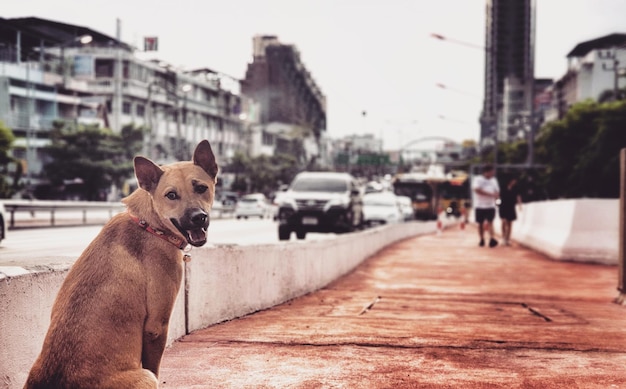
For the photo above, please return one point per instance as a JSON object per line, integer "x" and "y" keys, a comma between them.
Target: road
{"x": 62, "y": 245}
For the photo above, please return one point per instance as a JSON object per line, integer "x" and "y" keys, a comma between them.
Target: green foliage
{"x": 581, "y": 151}
{"x": 514, "y": 152}
{"x": 262, "y": 173}
{"x": 579, "y": 154}
{"x": 6, "y": 140}
{"x": 96, "y": 157}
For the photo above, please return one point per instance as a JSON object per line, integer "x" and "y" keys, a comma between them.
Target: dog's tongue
{"x": 197, "y": 237}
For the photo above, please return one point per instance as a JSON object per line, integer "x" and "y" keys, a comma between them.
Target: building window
{"x": 141, "y": 110}
{"x": 267, "y": 139}
{"x": 126, "y": 108}
{"x": 104, "y": 68}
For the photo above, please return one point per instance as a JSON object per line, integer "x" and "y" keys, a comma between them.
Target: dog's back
{"x": 93, "y": 330}
{"x": 110, "y": 319}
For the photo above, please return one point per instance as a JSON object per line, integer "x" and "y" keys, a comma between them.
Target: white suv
{"x": 320, "y": 202}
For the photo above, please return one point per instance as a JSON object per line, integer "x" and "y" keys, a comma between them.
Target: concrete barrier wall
{"x": 221, "y": 283}
{"x": 24, "y": 318}
{"x": 582, "y": 230}
{"x": 231, "y": 281}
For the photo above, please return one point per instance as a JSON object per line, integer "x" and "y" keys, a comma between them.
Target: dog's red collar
{"x": 175, "y": 240}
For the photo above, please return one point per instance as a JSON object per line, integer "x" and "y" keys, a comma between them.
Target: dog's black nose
{"x": 199, "y": 218}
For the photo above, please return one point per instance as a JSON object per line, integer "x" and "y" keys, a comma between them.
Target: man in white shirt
{"x": 486, "y": 192}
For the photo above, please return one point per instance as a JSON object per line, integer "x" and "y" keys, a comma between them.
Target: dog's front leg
{"x": 154, "y": 340}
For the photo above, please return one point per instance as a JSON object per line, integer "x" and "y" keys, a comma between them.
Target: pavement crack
{"x": 370, "y": 305}
{"x": 479, "y": 344}
{"x": 536, "y": 312}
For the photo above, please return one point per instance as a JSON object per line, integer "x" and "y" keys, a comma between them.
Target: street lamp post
{"x": 458, "y": 42}
{"x": 29, "y": 130}
{"x": 485, "y": 49}
{"x": 28, "y": 119}
{"x": 148, "y": 143}
{"x": 529, "y": 121}
{"x": 180, "y": 111}
{"x": 455, "y": 90}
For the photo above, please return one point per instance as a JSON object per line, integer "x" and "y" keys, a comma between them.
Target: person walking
{"x": 509, "y": 199}
{"x": 486, "y": 192}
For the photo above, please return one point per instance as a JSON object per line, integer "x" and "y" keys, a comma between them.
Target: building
{"x": 509, "y": 67}
{"x": 53, "y": 71}
{"x": 593, "y": 72}
{"x": 287, "y": 94}
{"x": 519, "y": 122}
{"x": 361, "y": 155}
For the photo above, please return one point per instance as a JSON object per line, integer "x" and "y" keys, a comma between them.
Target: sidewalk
{"x": 429, "y": 312}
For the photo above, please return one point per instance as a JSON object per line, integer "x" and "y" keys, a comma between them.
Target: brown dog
{"x": 110, "y": 319}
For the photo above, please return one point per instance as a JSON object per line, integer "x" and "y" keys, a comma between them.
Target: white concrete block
{"x": 24, "y": 318}
{"x": 583, "y": 230}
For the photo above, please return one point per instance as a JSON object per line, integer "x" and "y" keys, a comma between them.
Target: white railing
{"x": 81, "y": 208}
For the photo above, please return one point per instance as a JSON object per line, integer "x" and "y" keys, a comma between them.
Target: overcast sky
{"x": 366, "y": 55}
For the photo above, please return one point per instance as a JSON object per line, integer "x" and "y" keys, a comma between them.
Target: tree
{"x": 581, "y": 151}
{"x": 6, "y": 141}
{"x": 94, "y": 157}
{"x": 262, "y": 173}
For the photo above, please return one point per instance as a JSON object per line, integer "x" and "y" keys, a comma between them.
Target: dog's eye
{"x": 200, "y": 188}
{"x": 172, "y": 195}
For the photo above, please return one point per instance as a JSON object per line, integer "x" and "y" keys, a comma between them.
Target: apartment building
{"x": 596, "y": 69}
{"x": 55, "y": 71}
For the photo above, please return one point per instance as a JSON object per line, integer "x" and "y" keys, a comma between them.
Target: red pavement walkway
{"x": 434, "y": 311}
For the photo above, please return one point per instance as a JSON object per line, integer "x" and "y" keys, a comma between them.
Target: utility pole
{"x": 117, "y": 82}
{"x": 621, "y": 276}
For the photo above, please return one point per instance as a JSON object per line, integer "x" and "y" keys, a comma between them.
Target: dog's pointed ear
{"x": 148, "y": 174}
{"x": 203, "y": 157}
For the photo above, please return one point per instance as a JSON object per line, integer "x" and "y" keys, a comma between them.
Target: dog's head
{"x": 182, "y": 193}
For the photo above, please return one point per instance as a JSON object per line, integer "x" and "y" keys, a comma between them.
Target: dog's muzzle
{"x": 193, "y": 225}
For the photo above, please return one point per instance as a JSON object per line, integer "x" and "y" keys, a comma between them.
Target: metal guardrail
{"x": 34, "y": 206}
{"x": 53, "y": 207}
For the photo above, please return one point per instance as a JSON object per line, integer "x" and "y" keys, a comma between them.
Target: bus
{"x": 431, "y": 194}
{"x": 455, "y": 194}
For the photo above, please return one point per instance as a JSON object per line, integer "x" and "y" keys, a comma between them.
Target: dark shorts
{"x": 483, "y": 214}
{"x": 507, "y": 213}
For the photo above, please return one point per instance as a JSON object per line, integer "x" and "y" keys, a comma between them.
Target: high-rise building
{"x": 509, "y": 68}
{"x": 279, "y": 81}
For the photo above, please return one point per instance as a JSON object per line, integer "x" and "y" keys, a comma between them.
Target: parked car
{"x": 255, "y": 204}
{"x": 381, "y": 208}
{"x": 406, "y": 207}
{"x": 228, "y": 199}
{"x": 320, "y": 202}
{"x": 3, "y": 222}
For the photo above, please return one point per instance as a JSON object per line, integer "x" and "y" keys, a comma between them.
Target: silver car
{"x": 255, "y": 204}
